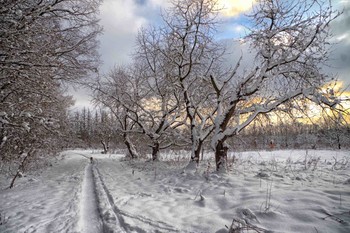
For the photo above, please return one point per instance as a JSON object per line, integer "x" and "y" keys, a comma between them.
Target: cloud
{"x": 140, "y": 2}
{"x": 232, "y": 8}
{"x": 157, "y": 3}
{"x": 121, "y": 20}
{"x": 340, "y": 56}
{"x": 120, "y": 25}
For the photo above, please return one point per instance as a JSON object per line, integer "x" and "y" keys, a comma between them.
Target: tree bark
{"x": 196, "y": 152}
{"x": 221, "y": 150}
{"x": 195, "y": 156}
{"x": 338, "y": 141}
{"x": 14, "y": 179}
{"x": 105, "y": 147}
{"x": 130, "y": 147}
{"x": 155, "y": 151}
{"x": 20, "y": 168}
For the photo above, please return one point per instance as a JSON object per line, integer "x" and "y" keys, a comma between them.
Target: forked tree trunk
{"x": 130, "y": 147}
{"x": 221, "y": 150}
{"x": 105, "y": 146}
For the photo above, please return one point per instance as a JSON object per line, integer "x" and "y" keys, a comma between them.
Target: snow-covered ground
{"x": 267, "y": 191}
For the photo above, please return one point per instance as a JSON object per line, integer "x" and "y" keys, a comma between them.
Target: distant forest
{"x": 98, "y": 129}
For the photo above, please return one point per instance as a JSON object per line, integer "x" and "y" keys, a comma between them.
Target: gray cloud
{"x": 340, "y": 57}
{"x": 121, "y": 21}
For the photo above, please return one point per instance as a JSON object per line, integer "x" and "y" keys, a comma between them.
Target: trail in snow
{"x": 127, "y": 222}
{"x": 119, "y": 196}
{"x": 113, "y": 222}
{"x": 90, "y": 221}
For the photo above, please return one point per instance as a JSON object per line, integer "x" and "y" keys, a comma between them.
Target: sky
{"x": 121, "y": 20}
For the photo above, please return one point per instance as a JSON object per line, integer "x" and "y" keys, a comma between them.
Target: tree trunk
{"x": 221, "y": 150}
{"x": 14, "y": 179}
{"x": 105, "y": 147}
{"x": 338, "y": 141}
{"x": 155, "y": 151}
{"x": 196, "y": 152}
{"x": 130, "y": 147}
{"x": 20, "y": 168}
{"x": 195, "y": 156}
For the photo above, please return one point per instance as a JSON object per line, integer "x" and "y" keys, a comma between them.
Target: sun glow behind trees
{"x": 302, "y": 111}
{"x": 232, "y": 8}
{"x": 307, "y": 112}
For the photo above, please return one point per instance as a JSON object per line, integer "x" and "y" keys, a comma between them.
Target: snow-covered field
{"x": 267, "y": 191}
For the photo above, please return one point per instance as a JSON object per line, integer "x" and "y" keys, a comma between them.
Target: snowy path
{"x": 90, "y": 221}
{"x": 120, "y": 196}
{"x": 128, "y": 220}
{"x": 113, "y": 222}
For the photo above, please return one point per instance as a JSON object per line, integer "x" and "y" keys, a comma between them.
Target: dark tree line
{"x": 99, "y": 129}
{"x": 94, "y": 129}
{"x": 294, "y": 135}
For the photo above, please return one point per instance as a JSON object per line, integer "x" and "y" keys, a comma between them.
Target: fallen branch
{"x": 239, "y": 225}
{"x": 335, "y": 216}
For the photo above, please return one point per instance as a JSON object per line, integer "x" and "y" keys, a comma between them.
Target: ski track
{"x": 118, "y": 214}
{"x": 112, "y": 221}
{"x": 90, "y": 220}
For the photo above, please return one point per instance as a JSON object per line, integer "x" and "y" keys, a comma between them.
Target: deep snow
{"x": 275, "y": 191}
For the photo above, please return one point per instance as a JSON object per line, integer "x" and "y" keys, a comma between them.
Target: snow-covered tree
{"x": 185, "y": 51}
{"x": 142, "y": 104}
{"x": 104, "y": 129}
{"x": 109, "y": 95}
{"x": 179, "y": 70}
{"x": 290, "y": 39}
{"x": 42, "y": 45}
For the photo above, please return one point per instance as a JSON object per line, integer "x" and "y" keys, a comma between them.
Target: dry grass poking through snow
{"x": 269, "y": 191}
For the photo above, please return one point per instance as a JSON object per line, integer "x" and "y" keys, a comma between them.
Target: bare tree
{"x": 107, "y": 96}
{"x": 290, "y": 39}
{"x": 185, "y": 52}
{"x": 179, "y": 71}
{"x": 105, "y": 129}
{"x": 335, "y": 122}
{"x": 142, "y": 103}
